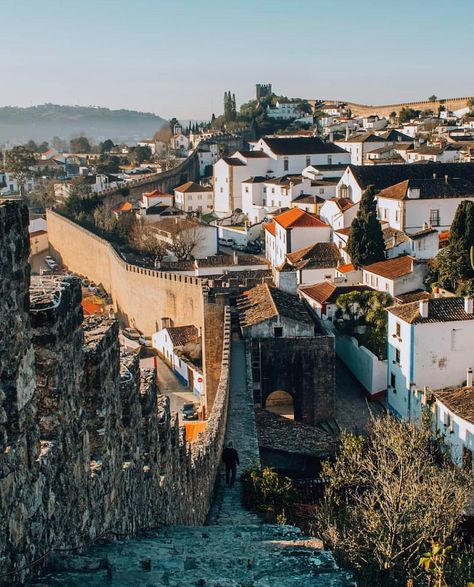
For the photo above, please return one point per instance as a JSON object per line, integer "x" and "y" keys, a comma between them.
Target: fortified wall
{"x": 141, "y": 296}
{"x": 89, "y": 447}
{"x": 387, "y": 109}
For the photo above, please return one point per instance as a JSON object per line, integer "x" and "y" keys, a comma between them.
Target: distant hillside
{"x": 42, "y": 123}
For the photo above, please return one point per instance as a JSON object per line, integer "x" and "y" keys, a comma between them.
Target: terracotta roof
{"x": 317, "y": 256}
{"x": 295, "y": 217}
{"x": 327, "y": 292}
{"x": 300, "y": 146}
{"x": 342, "y": 203}
{"x": 439, "y": 310}
{"x": 412, "y": 296}
{"x": 365, "y": 137}
{"x": 181, "y": 335}
{"x": 155, "y": 193}
{"x": 123, "y": 207}
{"x": 191, "y": 186}
{"x": 458, "y": 400}
{"x": 430, "y": 188}
{"x": 346, "y": 268}
{"x": 392, "y": 268}
{"x": 263, "y": 302}
{"x": 308, "y": 199}
{"x": 270, "y": 227}
{"x": 393, "y": 237}
{"x": 345, "y": 231}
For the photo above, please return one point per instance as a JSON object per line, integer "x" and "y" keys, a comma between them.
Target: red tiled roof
{"x": 123, "y": 207}
{"x": 347, "y": 268}
{"x": 270, "y": 227}
{"x": 295, "y": 217}
{"x": 327, "y": 292}
{"x": 191, "y": 186}
{"x": 392, "y": 268}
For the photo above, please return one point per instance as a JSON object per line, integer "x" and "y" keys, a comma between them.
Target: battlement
{"x": 90, "y": 448}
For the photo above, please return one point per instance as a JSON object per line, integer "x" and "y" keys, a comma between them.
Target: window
{"x": 397, "y": 216}
{"x": 392, "y": 382}
{"x": 308, "y": 161}
{"x": 273, "y": 190}
{"x": 398, "y": 329}
{"x": 278, "y": 331}
{"x": 385, "y": 213}
{"x": 321, "y": 190}
{"x": 434, "y": 217}
{"x": 247, "y": 190}
{"x": 222, "y": 189}
{"x": 397, "y": 356}
{"x": 285, "y": 164}
{"x": 329, "y": 160}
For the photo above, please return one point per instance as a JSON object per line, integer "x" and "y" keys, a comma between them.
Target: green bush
{"x": 266, "y": 491}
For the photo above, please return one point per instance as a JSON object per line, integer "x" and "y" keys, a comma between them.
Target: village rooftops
{"x": 317, "y": 256}
{"x": 392, "y": 268}
{"x": 181, "y": 335}
{"x": 154, "y": 194}
{"x": 342, "y": 203}
{"x": 458, "y": 400}
{"x": 297, "y": 218}
{"x": 396, "y": 135}
{"x": 263, "y": 302}
{"x": 426, "y": 189}
{"x": 383, "y": 176}
{"x": 365, "y": 137}
{"x": 437, "y": 310}
{"x": 191, "y": 186}
{"x": 300, "y": 146}
{"x": 327, "y": 292}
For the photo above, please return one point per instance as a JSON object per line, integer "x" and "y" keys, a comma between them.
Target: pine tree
{"x": 234, "y": 107}
{"x": 366, "y": 244}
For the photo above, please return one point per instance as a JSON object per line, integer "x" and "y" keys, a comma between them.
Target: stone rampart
{"x": 141, "y": 296}
{"x": 89, "y": 446}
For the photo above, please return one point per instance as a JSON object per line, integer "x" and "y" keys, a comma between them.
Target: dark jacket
{"x": 230, "y": 457}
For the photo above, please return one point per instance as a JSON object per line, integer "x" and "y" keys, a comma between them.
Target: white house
{"x": 434, "y": 153}
{"x": 155, "y": 197}
{"x": 413, "y": 204}
{"x": 322, "y": 297}
{"x": 293, "y": 230}
{"x": 311, "y": 264}
{"x": 421, "y": 245}
{"x": 198, "y": 237}
{"x": 339, "y": 212}
{"x": 395, "y": 276}
{"x": 429, "y": 345}
{"x": 284, "y": 111}
{"x": 453, "y": 411}
{"x": 192, "y": 197}
{"x": 180, "y": 347}
{"x": 271, "y": 157}
{"x": 360, "y": 144}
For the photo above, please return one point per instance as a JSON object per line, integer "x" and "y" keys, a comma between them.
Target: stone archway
{"x": 281, "y": 402}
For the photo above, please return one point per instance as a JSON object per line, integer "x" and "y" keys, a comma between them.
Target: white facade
{"x": 287, "y": 240}
{"x": 194, "y": 201}
{"x": 396, "y": 286}
{"x": 336, "y": 217}
{"x": 426, "y": 354}
{"x": 359, "y": 149}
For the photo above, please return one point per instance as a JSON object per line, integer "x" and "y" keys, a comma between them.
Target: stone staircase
{"x": 234, "y": 550}
{"x": 255, "y": 555}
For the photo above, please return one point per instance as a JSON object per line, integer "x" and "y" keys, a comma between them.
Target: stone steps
{"x": 254, "y": 555}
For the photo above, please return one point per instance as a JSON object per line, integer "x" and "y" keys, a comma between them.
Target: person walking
{"x": 230, "y": 458}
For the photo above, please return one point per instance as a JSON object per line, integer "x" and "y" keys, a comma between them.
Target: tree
{"x": 42, "y": 196}
{"x": 103, "y": 218}
{"x": 144, "y": 238}
{"x": 407, "y": 114}
{"x": 18, "y": 162}
{"x": 139, "y": 154}
{"x": 58, "y": 144}
{"x": 432, "y": 98}
{"x": 107, "y": 146}
{"x": 366, "y": 244}
{"x": 186, "y": 239}
{"x": 79, "y": 145}
{"x": 387, "y": 496}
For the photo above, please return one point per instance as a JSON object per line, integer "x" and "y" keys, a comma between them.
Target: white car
{"x": 226, "y": 242}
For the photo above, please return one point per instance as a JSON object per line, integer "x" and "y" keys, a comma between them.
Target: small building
{"x": 313, "y": 263}
{"x": 155, "y": 197}
{"x": 339, "y": 212}
{"x": 193, "y": 197}
{"x": 395, "y": 276}
{"x": 291, "y": 354}
{"x": 322, "y": 297}
{"x": 292, "y": 230}
{"x": 429, "y": 345}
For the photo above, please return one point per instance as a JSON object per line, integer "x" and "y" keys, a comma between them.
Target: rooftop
{"x": 327, "y": 292}
{"x": 181, "y": 335}
{"x": 458, "y": 400}
{"x": 263, "y": 302}
{"x": 430, "y": 188}
{"x": 191, "y": 186}
{"x": 300, "y": 146}
{"x": 439, "y": 310}
{"x": 295, "y": 217}
{"x": 317, "y": 256}
{"x": 392, "y": 268}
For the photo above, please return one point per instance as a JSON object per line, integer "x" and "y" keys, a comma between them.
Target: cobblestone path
{"x": 235, "y": 550}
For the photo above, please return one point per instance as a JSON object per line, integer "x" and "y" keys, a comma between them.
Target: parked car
{"x": 253, "y": 247}
{"x": 189, "y": 411}
{"x": 132, "y": 333}
{"x": 239, "y": 247}
{"x": 50, "y": 262}
{"x": 226, "y": 242}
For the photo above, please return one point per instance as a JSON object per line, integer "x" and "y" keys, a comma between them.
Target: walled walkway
{"x": 235, "y": 550}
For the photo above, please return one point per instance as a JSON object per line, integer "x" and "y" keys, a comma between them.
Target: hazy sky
{"x": 177, "y": 57}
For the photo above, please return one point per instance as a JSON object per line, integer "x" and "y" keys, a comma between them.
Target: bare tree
{"x": 42, "y": 196}
{"x": 144, "y": 238}
{"x": 18, "y": 162}
{"x": 387, "y": 497}
{"x": 104, "y": 218}
{"x": 186, "y": 240}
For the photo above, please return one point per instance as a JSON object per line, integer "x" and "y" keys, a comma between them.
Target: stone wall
{"x": 89, "y": 446}
{"x": 303, "y": 367}
{"x": 141, "y": 296}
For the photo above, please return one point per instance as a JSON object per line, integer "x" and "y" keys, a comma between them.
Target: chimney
{"x": 469, "y": 377}
{"x": 445, "y": 179}
{"x": 424, "y": 308}
{"x": 436, "y": 293}
{"x": 468, "y": 305}
{"x": 434, "y": 175}
{"x": 235, "y": 258}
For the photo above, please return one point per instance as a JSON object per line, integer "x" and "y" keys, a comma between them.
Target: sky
{"x": 177, "y": 57}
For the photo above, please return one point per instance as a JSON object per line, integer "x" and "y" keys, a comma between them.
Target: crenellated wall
{"x": 89, "y": 446}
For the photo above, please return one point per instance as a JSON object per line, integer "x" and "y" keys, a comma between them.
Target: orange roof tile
{"x": 123, "y": 207}
{"x": 296, "y": 217}
{"x": 270, "y": 227}
{"x": 392, "y": 268}
{"x": 347, "y": 268}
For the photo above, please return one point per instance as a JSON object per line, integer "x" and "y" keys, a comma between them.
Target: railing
{"x": 309, "y": 491}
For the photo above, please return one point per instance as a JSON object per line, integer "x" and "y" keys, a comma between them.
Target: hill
{"x": 42, "y": 123}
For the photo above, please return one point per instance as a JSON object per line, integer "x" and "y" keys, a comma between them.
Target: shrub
{"x": 268, "y": 492}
